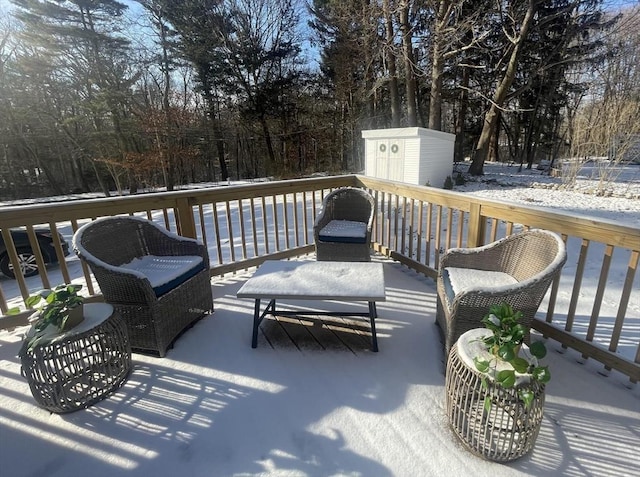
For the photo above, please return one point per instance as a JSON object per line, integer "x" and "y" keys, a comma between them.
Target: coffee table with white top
{"x": 344, "y": 281}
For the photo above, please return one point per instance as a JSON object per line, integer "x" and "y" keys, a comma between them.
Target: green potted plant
{"x": 57, "y": 310}
{"x": 503, "y": 345}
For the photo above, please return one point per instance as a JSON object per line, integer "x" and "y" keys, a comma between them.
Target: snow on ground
{"x": 620, "y": 201}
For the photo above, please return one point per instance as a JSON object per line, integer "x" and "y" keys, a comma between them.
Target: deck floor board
{"x": 317, "y": 333}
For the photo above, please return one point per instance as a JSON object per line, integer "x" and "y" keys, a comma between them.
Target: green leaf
{"x": 487, "y": 404}
{"x": 489, "y": 341}
{"x": 506, "y": 353}
{"x": 506, "y": 378}
{"x": 34, "y": 341}
{"x": 518, "y": 333}
{"x": 496, "y": 310}
{"x": 32, "y": 301}
{"x": 526, "y": 396}
{"x": 62, "y": 295}
{"x": 521, "y": 365}
{"x": 481, "y": 365}
{"x": 542, "y": 374}
{"x": 538, "y": 349}
{"x": 484, "y": 383}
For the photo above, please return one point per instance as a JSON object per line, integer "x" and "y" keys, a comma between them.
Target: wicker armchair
{"x": 342, "y": 230}
{"x": 517, "y": 269}
{"x": 158, "y": 281}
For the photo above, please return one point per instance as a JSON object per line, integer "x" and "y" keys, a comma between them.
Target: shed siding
{"x": 412, "y": 155}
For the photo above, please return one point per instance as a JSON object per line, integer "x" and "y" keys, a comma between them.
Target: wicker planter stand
{"x": 509, "y": 430}
{"x": 74, "y": 369}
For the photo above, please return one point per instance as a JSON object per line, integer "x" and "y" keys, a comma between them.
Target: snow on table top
{"x": 316, "y": 280}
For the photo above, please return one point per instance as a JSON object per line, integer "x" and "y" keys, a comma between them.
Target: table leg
{"x": 256, "y": 323}
{"x": 257, "y": 318}
{"x": 373, "y": 313}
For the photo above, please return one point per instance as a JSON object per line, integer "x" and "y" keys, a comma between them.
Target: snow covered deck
{"x": 216, "y": 407}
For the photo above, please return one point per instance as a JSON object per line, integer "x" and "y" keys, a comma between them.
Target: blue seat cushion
{"x": 344, "y": 231}
{"x": 166, "y": 272}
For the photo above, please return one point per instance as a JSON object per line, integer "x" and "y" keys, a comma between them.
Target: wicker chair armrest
{"x": 458, "y": 257}
{"x": 479, "y": 249}
{"x": 322, "y": 220}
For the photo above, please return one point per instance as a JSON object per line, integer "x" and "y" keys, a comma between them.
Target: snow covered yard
{"x": 619, "y": 201}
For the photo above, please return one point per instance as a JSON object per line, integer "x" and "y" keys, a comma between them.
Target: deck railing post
{"x": 187, "y": 224}
{"x": 476, "y": 231}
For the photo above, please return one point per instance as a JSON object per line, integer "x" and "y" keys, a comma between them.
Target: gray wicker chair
{"x": 517, "y": 269}
{"x": 342, "y": 230}
{"x": 158, "y": 281}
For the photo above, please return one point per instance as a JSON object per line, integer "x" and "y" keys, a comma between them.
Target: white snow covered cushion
{"x": 344, "y": 231}
{"x": 457, "y": 280}
{"x": 166, "y": 272}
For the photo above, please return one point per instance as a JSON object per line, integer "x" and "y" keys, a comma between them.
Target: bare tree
{"x": 607, "y": 123}
{"x": 516, "y": 26}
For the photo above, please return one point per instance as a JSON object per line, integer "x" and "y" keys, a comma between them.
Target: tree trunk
{"x": 224, "y": 171}
{"x": 410, "y": 78}
{"x": 166, "y": 106}
{"x": 458, "y": 155}
{"x": 437, "y": 67}
{"x": 494, "y": 148}
{"x": 271, "y": 156}
{"x": 491, "y": 117}
{"x": 394, "y": 95}
{"x": 103, "y": 186}
{"x": 217, "y": 134}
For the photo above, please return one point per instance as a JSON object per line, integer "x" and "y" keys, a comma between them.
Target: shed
{"x": 412, "y": 155}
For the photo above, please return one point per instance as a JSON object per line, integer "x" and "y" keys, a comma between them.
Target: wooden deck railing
{"x": 247, "y": 224}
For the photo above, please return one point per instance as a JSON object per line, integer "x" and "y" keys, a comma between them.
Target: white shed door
{"x": 390, "y": 159}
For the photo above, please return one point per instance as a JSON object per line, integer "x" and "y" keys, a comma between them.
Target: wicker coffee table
{"x": 75, "y": 369}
